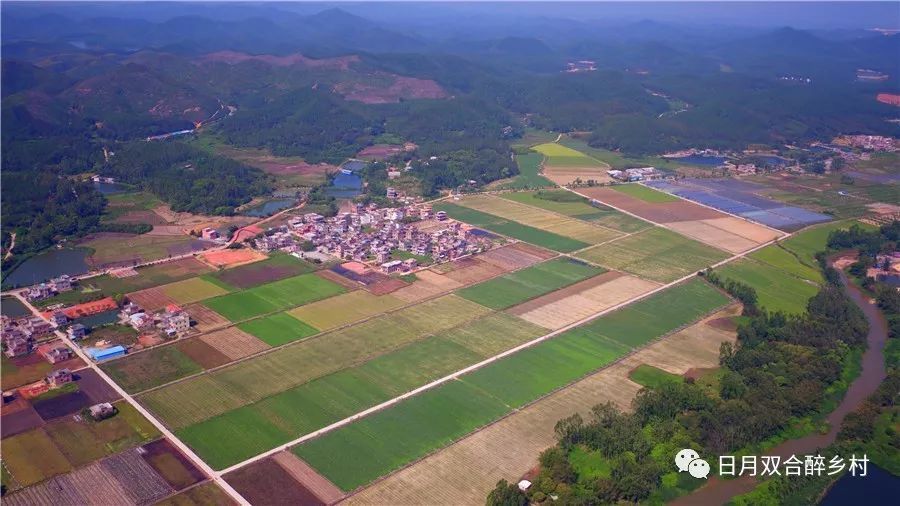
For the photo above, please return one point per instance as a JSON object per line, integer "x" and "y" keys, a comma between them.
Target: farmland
{"x": 562, "y": 156}
{"x": 276, "y": 267}
{"x": 511, "y": 289}
{"x": 192, "y": 290}
{"x": 778, "y": 256}
{"x": 150, "y": 276}
{"x": 353, "y": 455}
{"x": 278, "y": 329}
{"x": 776, "y": 289}
{"x": 644, "y": 193}
{"x": 151, "y": 368}
{"x": 343, "y": 309}
{"x": 576, "y": 206}
{"x": 529, "y": 173}
{"x": 540, "y": 219}
{"x": 656, "y": 254}
{"x": 270, "y": 297}
{"x": 512, "y": 229}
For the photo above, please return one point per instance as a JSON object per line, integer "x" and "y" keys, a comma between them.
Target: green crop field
{"x": 151, "y": 368}
{"x": 511, "y": 289}
{"x": 657, "y": 254}
{"x": 391, "y": 438}
{"x": 529, "y": 177}
{"x": 645, "y": 193}
{"x": 618, "y": 160}
{"x": 202, "y": 397}
{"x": 807, "y": 243}
{"x": 278, "y": 329}
{"x": 512, "y": 229}
{"x": 193, "y": 290}
{"x": 652, "y": 377}
{"x": 376, "y": 445}
{"x": 562, "y": 156}
{"x": 776, "y": 290}
{"x": 576, "y": 206}
{"x": 346, "y": 308}
{"x": 777, "y": 256}
{"x": 274, "y": 296}
{"x": 239, "y": 434}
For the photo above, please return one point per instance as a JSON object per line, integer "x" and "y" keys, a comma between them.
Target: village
{"x": 393, "y": 239}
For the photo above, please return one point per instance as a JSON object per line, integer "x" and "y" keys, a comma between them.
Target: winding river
{"x": 718, "y": 491}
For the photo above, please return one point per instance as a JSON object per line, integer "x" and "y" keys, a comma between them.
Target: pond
{"x": 269, "y": 208}
{"x": 12, "y": 307}
{"x": 99, "y": 319}
{"x": 49, "y": 264}
{"x": 344, "y": 186}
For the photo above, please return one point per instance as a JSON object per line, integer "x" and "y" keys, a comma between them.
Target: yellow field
{"x": 234, "y": 343}
{"x": 465, "y": 472}
{"x": 540, "y": 218}
{"x": 729, "y": 233}
{"x": 343, "y": 309}
{"x": 427, "y": 284}
{"x": 192, "y": 290}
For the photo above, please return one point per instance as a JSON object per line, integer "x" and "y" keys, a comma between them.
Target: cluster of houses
{"x": 373, "y": 234}
{"x": 870, "y": 142}
{"x": 20, "y": 336}
{"x": 636, "y": 174}
{"x": 171, "y": 321}
{"x": 45, "y": 290}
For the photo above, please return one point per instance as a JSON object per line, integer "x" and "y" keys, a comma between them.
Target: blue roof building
{"x": 99, "y": 354}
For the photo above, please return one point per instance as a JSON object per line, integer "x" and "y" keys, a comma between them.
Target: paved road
{"x": 197, "y": 461}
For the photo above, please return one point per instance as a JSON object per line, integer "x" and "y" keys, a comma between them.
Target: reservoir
{"x": 110, "y": 188}
{"x": 344, "y": 186}
{"x": 877, "y": 487}
{"x": 49, "y": 264}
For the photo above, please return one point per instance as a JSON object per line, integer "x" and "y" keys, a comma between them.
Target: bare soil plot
{"x": 234, "y": 343}
{"x": 308, "y": 478}
{"x": 343, "y": 309}
{"x": 427, "y": 284}
{"x": 565, "y": 176}
{"x": 714, "y": 236}
{"x": 204, "y": 318}
{"x": 207, "y": 494}
{"x": 744, "y": 228}
{"x": 62, "y": 405}
{"x": 95, "y": 387}
{"x": 19, "y": 421}
{"x": 379, "y": 151}
{"x": 142, "y": 484}
{"x": 267, "y": 482}
{"x": 231, "y": 257}
{"x": 509, "y": 448}
{"x": 386, "y": 286}
{"x": 576, "y": 302}
{"x": 202, "y": 353}
{"x": 516, "y": 256}
{"x": 659, "y": 212}
{"x": 274, "y": 268}
{"x": 151, "y": 299}
{"x": 473, "y": 270}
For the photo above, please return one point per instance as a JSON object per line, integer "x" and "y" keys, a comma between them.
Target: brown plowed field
{"x": 205, "y": 319}
{"x": 234, "y": 343}
{"x": 171, "y": 464}
{"x": 473, "y": 271}
{"x": 466, "y": 471}
{"x": 308, "y": 478}
{"x": 266, "y": 482}
{"x": 202, "y": 353}
{"x": 386, "y": 286}
{"x": 95, "y": 387}
{"x": 19, "y": 421}
{"x": 427, "y": 284}
{"x": 232, "y": 257}
{"x": 516, "y": 256}
{"x": 717, "y": 237}
{"x": 567, "y": 175}
{"x": 659, "y": 212}
{"x": 337, "y": 278}
{"x": 563, "y": 307}
{"x": 151, "y": 299}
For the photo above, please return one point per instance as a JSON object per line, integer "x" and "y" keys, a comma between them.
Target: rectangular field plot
{"x": 234, "y": 343}
{"x": 192, "y": 290}
{"x": 274, "y": 296}
{"x": 705, "y": 232}
{"x": 777, "y": 256}
{"x": 644, "y": 193}
{"x": 511, "y": 289}
{"x": 343, "y": 309}
{"x": 656, "y": 254}
{"x": 512, "y": 229}
{"x": 562, "y": 157}
{"x": 516, "y": 256}
{"x": 197, "y": 399}
{"x": 576, "y": 206}
{"x": 427, "y": 284}
{"x": 373, "y": 446}
{"x": 150, "y": 276}
{"x": 278, "y": 266}
{"x": 776, "y": 290}
{"x": 278, "y": 329}
{"x": 807, "y": 243}
{"x": 241, "y": 433}
{"x": 576, "y": 302}
{"x": 151, "y": 368}
{"x": 540, "y": 218}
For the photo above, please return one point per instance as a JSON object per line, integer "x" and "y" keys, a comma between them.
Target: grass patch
{"x": 278, "y": 329}
{"x": 511, "y": 289}
{"x": 652, "y": 377}
{"x": 529, "y": 173}
{"x": 20, "y": 452}
{"x": 589, "y": 464}
{"x": 193, "y": 290}
{"x": 512, "y": 229}
{"x": 644, "y": 193}
{"x": 272, "y": 297}
{"x": 776, "y": 256}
